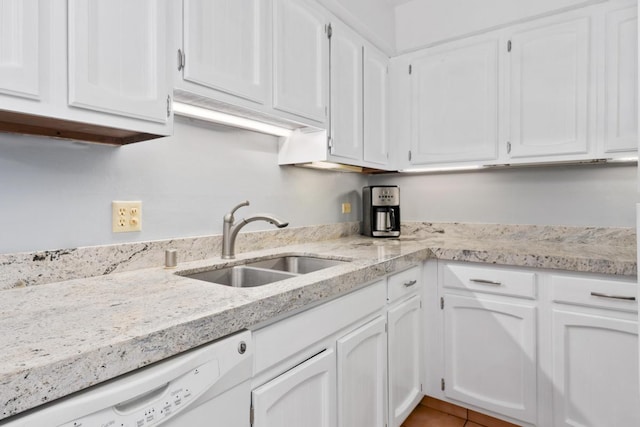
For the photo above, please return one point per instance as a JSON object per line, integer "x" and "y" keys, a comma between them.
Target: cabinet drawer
{"x": 490, "y": 280}
{"x": 403, "y": 283}
{"x": 616, "y": 294}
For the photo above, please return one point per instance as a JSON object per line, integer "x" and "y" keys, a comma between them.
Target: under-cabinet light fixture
{"x": 442, "y": 169}
{"x": 331, "y": 166}
{"x": 200, "y": 113}
{"x": 631, "y": 159}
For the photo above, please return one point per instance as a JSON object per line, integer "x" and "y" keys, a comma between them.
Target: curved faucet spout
{"x": 230, "y": 230}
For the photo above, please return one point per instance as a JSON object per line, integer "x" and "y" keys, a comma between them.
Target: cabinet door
{"x": 550, "y": 89}
{"x": 490, "y": 355}
{"x": 346, "y": 93}
{"x": 19, "y": 47}
{"x": 302, "y": 396}
{"x": 376, "y": 101}
{"x": 621, "y": 86}
{"x": 454, "y": 103}
{"x": 595, "y": 372}
{"x": 117, "y": 57}
{"x": 300, "y": 49}
{"x": 225, "y": 44}
{"x": 405, "y": 359}
{"x": 362, "y": 373}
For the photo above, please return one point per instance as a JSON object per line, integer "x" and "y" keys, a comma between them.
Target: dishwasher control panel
{"x": 157, "y": 405}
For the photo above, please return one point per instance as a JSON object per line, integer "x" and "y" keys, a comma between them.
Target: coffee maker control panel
{"x": 385, "y": 196}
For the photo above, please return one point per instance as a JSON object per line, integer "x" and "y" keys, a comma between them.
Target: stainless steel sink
{"x": 262, "y": 272}
{"x": 297, "y": 264}
{"x": 241, "y": 276}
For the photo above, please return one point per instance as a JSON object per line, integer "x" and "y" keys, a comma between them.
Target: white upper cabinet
{"x": 117, "y": 58}
{"x": 226, "y": 46}
{"x": 376, "y": 107}
{"x": 454, "y": 103}
{"x": 346, "y": 93}
{"x": 19, "y": 47}
{"x": 300, "y": 49}
{"x": 621, "y": 80}
{"x": 551, "y": 86}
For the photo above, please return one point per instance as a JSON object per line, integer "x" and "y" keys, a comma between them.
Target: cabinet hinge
{"x": 420, "y": 386}
{"x": 441, "y": 303}
{"x": 181, "y": 60}
{"x": 508, "y": 147}
{"x": 329, "y": 31}
{"x": 251, "y": 415}
{"x": 386, "y": 327}
{"x": 168, "y": 106}
{"x": 442, "y": 384}
{"x": 410, "y": 68}
{"x": 509, "y": 46}
{"x": 409, "y": 155}
{"x": 330, "y": 144}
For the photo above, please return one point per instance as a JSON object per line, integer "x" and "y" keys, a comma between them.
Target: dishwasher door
{"x": 208, "y": 386}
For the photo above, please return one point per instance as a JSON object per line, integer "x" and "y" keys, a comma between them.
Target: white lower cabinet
{"x": 302, "y": 396}
{"x": 362, "y": 376}
{"x": 405, "y": 360}
{"x": 534, "y": 347}
{"x": 595, "y": 353}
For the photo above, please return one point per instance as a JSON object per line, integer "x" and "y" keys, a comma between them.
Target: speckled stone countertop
{"x": 62, "y": 337}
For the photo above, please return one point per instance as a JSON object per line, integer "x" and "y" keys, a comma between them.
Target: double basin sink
{"x": 264, "y": 271}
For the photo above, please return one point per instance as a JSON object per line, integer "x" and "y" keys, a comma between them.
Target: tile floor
{"x": 436, "y": 413}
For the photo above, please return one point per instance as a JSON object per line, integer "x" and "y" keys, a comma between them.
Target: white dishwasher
{"x": 208, "y": 386}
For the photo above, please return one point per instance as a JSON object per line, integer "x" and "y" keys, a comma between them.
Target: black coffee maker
{"x": 381, "y": 211}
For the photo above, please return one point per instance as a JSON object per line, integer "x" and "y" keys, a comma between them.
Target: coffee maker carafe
{"x": 381, "y": 211}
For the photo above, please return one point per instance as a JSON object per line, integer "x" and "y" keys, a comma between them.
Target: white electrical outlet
{"x": 126, "y": 216}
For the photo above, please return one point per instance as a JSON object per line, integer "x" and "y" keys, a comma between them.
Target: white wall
{"x": 57, "y": 194}
{"x": 570, "y": 195}
{"x": 420, "y": 23}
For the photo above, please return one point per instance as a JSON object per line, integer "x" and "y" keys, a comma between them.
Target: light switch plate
{"x": 346, "y": 208}
{"x": 126, "y": 216}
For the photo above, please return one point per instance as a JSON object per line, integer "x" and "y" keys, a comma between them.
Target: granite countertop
{"x": 62, "y": 337}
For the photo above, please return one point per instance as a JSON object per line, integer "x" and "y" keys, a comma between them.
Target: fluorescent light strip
{"x": 442, "y": 169}
{"x": 228, "y": 119}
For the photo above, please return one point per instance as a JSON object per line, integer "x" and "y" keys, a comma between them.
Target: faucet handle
{"x": 233, "y": 210}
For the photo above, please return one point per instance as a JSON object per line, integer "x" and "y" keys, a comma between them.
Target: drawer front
{"x": 404, "y": 283}
{"x": 489, "y": 280}
{"x": 616, "y": 294}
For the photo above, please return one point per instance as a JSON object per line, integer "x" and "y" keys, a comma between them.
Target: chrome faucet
{"x": 230, "y": 230}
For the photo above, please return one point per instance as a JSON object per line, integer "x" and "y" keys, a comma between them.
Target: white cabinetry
{"x": 454, "y": 102}
{"x": 552, "y": 87}
{"x": 117, "y": 58}
{"x": 19, "y": 48}
{"x": 376, "y": 107}
{"x": 226, "y": 46}
{"x": 490, "y": 340}
{"x": 346, "y": 93}
{"x": 302, "y": 396}
{"x": 93, "y": 71}
{"x": 362, "y": 376}
{"x": 404, "y": 319}
{"x": 300, "y": 48}
{"x": 595, "y": 352}
{"x": 621, "y": 79}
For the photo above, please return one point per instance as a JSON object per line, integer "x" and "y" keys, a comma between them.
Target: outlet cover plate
{"x": 126, "y": 216}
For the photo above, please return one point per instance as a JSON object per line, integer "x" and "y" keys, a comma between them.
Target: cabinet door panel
{"x": 225, "y": 45}
{"x": 346, "y": 93}
{"x": 595, "y": 370}
{"x": 550, "y": 89}
{"x": 117, "y": 57}
{"x": 490, "y": 355}
{"x": 300, "y": 48}
{"x": 376, "y": 101}
{"x": 19, "y": 47}
{"x": 362, "y": 362}
{"x": 454, "y": 104}
{"x": 621, "y": 128}
{"x": 405, "y": 334}
{"x": 302, "y": 396}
